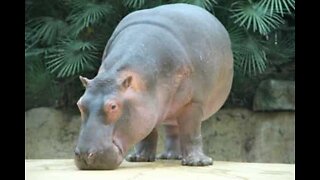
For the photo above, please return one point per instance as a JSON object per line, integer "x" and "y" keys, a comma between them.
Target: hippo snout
{"x": 106, "y": 159}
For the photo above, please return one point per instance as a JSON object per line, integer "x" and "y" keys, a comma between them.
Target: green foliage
{"x": 251, "y": 50}
{"x": 248, "y": 52}
{"x": 71, "y": 57}
{"x": 46, "y": 29}
{"x": 67, "y": 38}
{"x": 134, "y": 3}
{"x": 279, "y": 6}
{"x": 207, "y": 4}
{"x": 281, "y": 47}
{"x": 38, "y": 78}
{"x": 39, "y": 83}
{"x": 86, "y": 14}
{"x": 255, "y": 16}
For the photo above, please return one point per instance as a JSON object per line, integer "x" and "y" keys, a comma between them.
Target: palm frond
{"x": 279, "y": 6}
{"x": 206, "y": 4}
{"x": 38, "y": 79}
{"x": 133, "y": 3}
{"x": 280, "y": 47}
{"x": 28, "y": 41}
{"x": 46, "y": 29}
{"x": 237, "y": 35}
{"x": 87, "y": 14}
{"x": 249, "y": 56}
{"x": 33, "y": 52}
{"x": 36, "y": 51}
{"x": 253, "y": 15}
{"x": 71, "y": 57}
{"x": 39, "y": 83}
{"x": 76, "y": 5}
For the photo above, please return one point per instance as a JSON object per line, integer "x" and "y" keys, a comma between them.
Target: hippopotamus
{"x": 170, "y": 65}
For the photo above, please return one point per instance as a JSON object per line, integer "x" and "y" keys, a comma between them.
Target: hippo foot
{"x": 140, "y": 158}
{"x": 197, "y": 160}
{"x": 170, "y": 155}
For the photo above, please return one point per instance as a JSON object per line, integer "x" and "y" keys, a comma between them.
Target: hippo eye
{"x": 113, "y": 106}
{"x": 112, "y": 111}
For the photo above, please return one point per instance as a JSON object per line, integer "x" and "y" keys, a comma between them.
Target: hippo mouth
{"x": 118, "y": 147}
{"x": 107, "y": 159}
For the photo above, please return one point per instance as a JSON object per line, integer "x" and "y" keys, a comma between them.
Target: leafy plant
{"x": 39, "y": 83}
{"x": 281, "y": 47}
{"x": 86, "y": 14}
{"x": 255, "y": 16}
{"x": 134, "y": 3}
{"x": 279, "y": 6}
{"x": 248, "y": 52}
{"x": 251, "y": 52}
{"x": 70, "y": 57}
{"x": 207, "y": 4}
{"x": 46, "y": 30}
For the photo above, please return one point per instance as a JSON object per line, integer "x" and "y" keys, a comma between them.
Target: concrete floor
{"x": 59, "y": 169}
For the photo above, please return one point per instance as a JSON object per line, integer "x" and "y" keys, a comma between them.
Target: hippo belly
{"x": 170, "y": 65}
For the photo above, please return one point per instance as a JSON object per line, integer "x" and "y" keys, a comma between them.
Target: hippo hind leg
{"x": 145, "y": 150}
{"x": 172, "y": 143}
{"x": 190, "y": 136}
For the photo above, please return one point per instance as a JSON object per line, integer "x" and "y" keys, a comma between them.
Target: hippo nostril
{"x": 90, "y": 155}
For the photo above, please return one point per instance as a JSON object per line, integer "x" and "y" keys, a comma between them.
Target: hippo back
{"x": 200, "y": 43}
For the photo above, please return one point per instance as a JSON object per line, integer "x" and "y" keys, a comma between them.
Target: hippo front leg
{"x": 145, "y": 150}
{"x": 172, "y": 143}
{"x": 190, "y": 136}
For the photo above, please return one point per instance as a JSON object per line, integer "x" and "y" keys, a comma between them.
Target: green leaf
{"x": 249, "y": 55}
{"x": 34, "y": 52}
{"x": 255, "y": 16}
{"x": 46, "y": 29}
{"x": 87, "y": 14}
{"x": 133, "y": 3}
{"x": 206, "y": 4}
{"x": 39, "y": 81}
{"x": 281, "y": 46}
{"x": 279, "y": 6}
{"x": 71, "y": 57}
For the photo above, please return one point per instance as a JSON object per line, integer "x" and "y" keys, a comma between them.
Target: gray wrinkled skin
{"x": 169, "y": 65}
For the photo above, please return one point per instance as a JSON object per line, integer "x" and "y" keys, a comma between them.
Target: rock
{"x": 50, "y": 133}
{"x": 224, "y": 134}
{"x": 274, "y": 95}
{"x": 235, "y": 134}
{"x": 274, "y": 138}
{"x": 242, "y": 135}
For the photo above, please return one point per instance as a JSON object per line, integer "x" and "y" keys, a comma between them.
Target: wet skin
{"x": 171, "y": 65}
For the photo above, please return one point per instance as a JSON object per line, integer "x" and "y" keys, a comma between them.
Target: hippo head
{"x": 115, "y": 113}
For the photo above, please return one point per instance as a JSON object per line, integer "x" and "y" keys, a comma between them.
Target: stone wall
{"x": 230, "y": 135}
{"x": 243, "y": 135}
{"x": 50, "y": 133}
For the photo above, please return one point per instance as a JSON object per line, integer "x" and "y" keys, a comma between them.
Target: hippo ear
{"x": 127, "y": 82}
{"x": 84, "y": 81}
{"x": 131, "y": 79}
